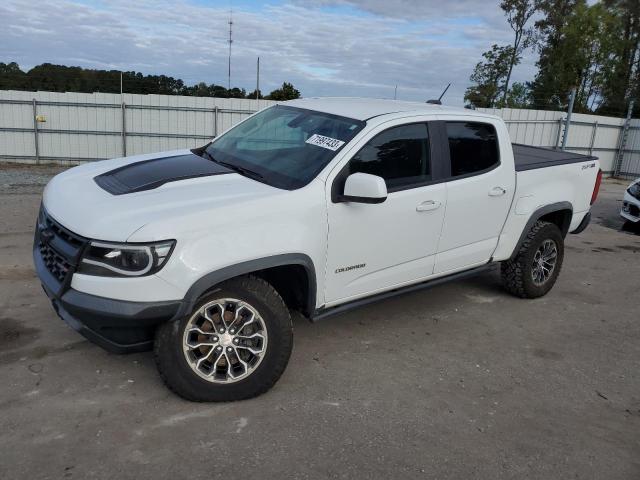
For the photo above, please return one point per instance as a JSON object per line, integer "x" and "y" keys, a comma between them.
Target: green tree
{"x": 592, "y": 47}
{"x": 286, "y": 92}
{"x": 621, "y": 81}
{"x": 237, "y": 93}
{"x": 252, "y": 95}
{"x": 518, "y": 13}
{"x": 60, "y": 78}
{"x": 575, "y": 52}
{"x": 489, "y": 77}
{"x": 519, "y": 96}
{"x": 550, "y": 86}
{"x": 11, "y": 77}
{"x": 169, "y": 85}
{"x": 201, "y": 90}
{"x": 591, "y": 35}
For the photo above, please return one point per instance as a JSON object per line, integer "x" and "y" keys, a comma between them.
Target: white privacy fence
{"x": 595, "y": 135}
{"x": 75, "y": 127}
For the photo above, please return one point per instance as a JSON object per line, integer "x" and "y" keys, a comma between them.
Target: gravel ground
{"x": 25, "y": 179}
{"x": 458, "y": 382}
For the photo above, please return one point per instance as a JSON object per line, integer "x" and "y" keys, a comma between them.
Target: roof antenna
{"x": 439, "y": 100}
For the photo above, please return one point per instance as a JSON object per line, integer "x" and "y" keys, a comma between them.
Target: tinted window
{"x": 400, "y": 155}
{"x": 473, "y": 147}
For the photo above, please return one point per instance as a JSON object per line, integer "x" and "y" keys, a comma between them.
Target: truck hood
{"x": 111, "y": 199}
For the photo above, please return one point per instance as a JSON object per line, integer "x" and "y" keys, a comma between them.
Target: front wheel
{"x": 535, "y": 268}
{"x": 234, "y": 345}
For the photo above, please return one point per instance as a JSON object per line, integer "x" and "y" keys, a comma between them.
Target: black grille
{"x": 634, "y": 210}
{"x": 56, "y": 264}
{"x": 64, "y": 234}
{"x": 59, "y": 248}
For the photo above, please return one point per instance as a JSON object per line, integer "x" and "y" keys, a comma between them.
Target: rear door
{"x": 375, "y": 247}
{"x": 480, "y": 189}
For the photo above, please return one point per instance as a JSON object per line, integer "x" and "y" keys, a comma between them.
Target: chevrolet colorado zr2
{"x": 317, "y": 205}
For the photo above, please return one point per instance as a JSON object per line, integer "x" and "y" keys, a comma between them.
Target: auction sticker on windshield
{"x": 325, "y": 142}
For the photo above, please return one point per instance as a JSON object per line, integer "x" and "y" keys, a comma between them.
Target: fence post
{"x": 35, "y": 131}
{"x": 560, "y": 122}
{"x": 593, "y": 137}
{"x": 124, "y": 129}
{"x": 572, "y": 99}
{"x": 215, "y": 121}
{"x": 622, "y": 144}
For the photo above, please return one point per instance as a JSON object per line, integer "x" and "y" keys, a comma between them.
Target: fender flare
{"x": 216, "y": 277}
{"x": 536, "y": 215}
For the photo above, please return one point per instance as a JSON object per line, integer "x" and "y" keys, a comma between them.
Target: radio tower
{"x": 230, "y": 42}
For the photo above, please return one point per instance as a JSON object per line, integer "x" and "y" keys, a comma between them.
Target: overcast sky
{"x": 324, "y": 47}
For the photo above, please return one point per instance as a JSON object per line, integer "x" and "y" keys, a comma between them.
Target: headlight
{"x": 125, "y": 259}
{"x": 634, "y": 190}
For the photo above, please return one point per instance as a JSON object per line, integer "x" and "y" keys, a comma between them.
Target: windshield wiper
{"x": 241, "y": 170}
{"x": 208, "y": 155}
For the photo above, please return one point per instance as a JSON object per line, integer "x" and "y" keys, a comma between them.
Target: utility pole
{"x": 258, "y": 80}
{"x": 395, "y": 93}
{"x": 567, "y": 124}
{"x": 120, "y": 85}
{"x": 230, "y": 42}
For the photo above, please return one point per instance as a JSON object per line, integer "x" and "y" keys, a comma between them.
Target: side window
{"x": 473, "y": 147}
{"x": 400, "y": 155}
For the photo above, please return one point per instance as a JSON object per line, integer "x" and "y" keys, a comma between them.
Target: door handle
{"x": 497, "y": 192}
{"x": 428, "y": 205}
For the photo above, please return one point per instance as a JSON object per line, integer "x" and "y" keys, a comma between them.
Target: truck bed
{"x": 528, "y": 157}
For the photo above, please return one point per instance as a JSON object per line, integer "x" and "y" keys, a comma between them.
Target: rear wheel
{"x": 535, "y": 269}
{"x": 235, "y": 344}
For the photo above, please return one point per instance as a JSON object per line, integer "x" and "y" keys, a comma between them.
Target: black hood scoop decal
{"x": 150, "y": 174}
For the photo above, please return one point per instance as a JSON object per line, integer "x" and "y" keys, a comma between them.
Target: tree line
{"x": 60, "y": 78}
{"x": 592, "y": 48}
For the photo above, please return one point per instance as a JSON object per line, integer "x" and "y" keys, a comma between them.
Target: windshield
{"x": 283, "y": 146}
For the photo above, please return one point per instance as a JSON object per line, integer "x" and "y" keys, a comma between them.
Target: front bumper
{"x": 118, "y": 326}
{"x": 630, "y": 208}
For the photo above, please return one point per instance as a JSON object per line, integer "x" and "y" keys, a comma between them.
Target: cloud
{"x": 412, "y": 9}
{"x": 324, "y": 47}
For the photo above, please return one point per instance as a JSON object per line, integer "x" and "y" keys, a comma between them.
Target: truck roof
{"x": 366, "y": 108}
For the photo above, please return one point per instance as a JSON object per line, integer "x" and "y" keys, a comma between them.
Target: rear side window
{"x": 400, "y": 155}
{"x": 473, "y": 147}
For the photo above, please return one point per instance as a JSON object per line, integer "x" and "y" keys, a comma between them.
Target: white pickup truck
{"x": 316, "y": 205}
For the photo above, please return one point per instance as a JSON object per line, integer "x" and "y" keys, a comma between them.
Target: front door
{"x": 376, "y": 247}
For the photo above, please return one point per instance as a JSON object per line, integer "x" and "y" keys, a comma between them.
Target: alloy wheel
{"x": 225, "y": 340}
{"x": 544, "y": 262}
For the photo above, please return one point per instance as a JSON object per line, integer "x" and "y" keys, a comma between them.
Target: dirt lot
{"x": 461, "y": 381}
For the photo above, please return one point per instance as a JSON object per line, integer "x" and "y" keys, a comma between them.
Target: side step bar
{"x": 322, "y": 313}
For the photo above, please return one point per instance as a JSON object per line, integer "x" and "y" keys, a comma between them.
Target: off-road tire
{"x": 182, "y": 380}
{"x": 516, "y": 273}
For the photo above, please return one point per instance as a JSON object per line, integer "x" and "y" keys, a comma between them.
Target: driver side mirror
{"x": 364, "y": 188}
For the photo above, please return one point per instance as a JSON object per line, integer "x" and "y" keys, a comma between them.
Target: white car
{"x": 316, "y": 205}
{"x": 631, "y": 203}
